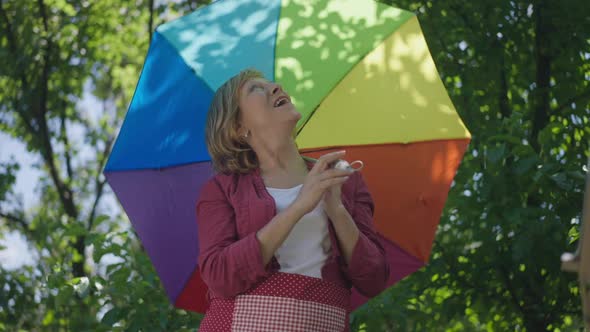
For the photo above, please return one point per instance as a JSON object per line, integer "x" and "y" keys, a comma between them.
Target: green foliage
{"x": 517, "y": 72}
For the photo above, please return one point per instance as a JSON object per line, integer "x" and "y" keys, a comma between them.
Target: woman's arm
{"x": 365, "y": 262}
{"x": 273, "y": 234}
{"x": 346, "y": 231}
{"x": 227, "y": 264}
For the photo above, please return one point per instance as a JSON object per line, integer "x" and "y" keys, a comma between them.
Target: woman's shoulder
{"x": 228, "y": 180}
{"x": 222, "y": 183}
{"x": 356, "y": 187}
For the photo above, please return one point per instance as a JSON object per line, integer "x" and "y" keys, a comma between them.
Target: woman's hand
{"x": 319, "y": 180}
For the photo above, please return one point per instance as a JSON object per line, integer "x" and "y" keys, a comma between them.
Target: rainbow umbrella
{"x": 360, "y": 73}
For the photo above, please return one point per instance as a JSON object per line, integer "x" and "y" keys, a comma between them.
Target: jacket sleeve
{"x": 228, "y": 265}
{"x": 368, "y": 269}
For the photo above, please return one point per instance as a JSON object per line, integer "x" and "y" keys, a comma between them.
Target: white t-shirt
{"x": 307, "y": 246}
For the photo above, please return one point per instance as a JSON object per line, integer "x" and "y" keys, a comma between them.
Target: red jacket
{"x": 232, "y": 208}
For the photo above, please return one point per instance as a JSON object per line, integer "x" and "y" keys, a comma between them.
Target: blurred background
{"x": 518, "y": 73}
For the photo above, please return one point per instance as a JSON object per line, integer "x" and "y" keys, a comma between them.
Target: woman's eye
{"x": 257, "y": 87}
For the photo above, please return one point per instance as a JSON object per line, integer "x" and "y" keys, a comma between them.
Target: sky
{"x": 16, "y": 253}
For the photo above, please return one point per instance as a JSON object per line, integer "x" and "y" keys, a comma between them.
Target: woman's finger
{"x": 326, "y": 159}
{"x": 331, "y": 173}
{"x": 333, "y": 181}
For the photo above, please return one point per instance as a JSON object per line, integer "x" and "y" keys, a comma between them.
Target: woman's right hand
{"x": 318, "y": 180}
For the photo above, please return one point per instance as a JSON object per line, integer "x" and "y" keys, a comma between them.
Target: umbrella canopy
{"x": 360, "y": 73}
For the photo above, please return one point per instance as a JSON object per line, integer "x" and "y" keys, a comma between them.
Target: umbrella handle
{"x": 344, "y": 165}
{"x": 360, "y": 162}
{"x": 341, "y": 164}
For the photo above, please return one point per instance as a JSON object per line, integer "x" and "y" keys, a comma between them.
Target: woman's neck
{"x": 281, "y": 165}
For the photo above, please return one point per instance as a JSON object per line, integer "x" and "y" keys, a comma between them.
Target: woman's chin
{"x": 291, "y": 115}
{"x": 290, "y": 123}
{"x": 294, "y": 112}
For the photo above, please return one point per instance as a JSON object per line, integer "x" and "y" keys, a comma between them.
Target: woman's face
{"x": 266, "y": 108}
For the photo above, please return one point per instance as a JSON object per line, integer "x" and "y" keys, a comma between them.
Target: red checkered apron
{"x": 283, "y": 302}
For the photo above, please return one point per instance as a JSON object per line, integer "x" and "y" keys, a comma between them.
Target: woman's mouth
{"x": 281, "y": 101}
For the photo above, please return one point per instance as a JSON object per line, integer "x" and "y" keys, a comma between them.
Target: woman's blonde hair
{"x": 229, "y": 152}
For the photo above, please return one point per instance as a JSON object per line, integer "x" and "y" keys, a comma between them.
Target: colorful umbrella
{"x": 360, "y": 73}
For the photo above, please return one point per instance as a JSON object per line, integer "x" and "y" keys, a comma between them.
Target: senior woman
{"x": 282, "y": 238}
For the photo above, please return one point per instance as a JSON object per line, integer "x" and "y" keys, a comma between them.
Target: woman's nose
{"x": 276, "y": 88}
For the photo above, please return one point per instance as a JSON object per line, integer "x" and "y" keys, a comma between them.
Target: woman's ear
{"x": 243, "y": 132}
{"x": 240, "y": 130}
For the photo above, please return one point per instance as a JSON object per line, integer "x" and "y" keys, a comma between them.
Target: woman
{"x": 282, "y": 239}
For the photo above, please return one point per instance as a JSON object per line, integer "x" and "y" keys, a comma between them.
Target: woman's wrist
{"x": 336, "y": 213}
{"x": 297, "y": 210}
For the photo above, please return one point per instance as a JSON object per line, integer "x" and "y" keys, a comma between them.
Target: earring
{"x": 246, "y": 134}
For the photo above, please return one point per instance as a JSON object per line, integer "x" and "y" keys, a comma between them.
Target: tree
{"x": 50, "y": 51}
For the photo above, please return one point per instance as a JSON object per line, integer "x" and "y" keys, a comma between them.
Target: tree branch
{"x": 66, "y": 143}
{"x": 65, "y": 193}
{"x": 99, "y": 185}
{"x": 63, "y": 190}
{"x": 15, "y": 219}
{"x": 543, "y": 75}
